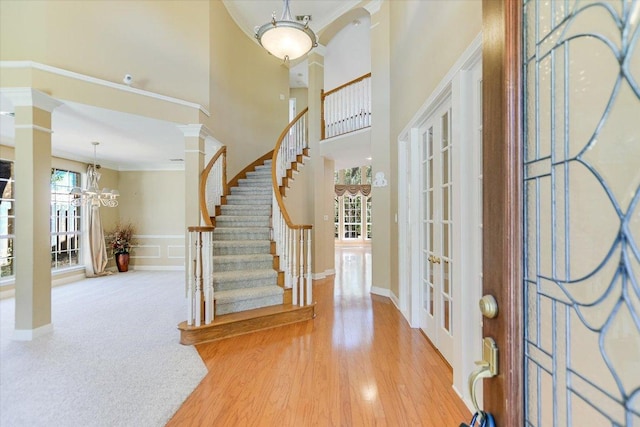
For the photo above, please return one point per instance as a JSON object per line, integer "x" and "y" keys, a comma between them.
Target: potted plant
{"x": 120, "y": 240}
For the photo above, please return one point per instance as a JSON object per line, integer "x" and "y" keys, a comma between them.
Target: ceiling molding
{"x": 29, "y": 97}
{"x": 101, "y": 82}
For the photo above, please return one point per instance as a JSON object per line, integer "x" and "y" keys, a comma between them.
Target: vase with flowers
{"x": 120, "y": 241}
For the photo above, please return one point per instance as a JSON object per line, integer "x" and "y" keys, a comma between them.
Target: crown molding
{"x": 29, "y": 97}
{"x": 101, "y": 82}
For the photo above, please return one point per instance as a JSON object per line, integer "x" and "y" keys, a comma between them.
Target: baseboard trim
{"x": 31, "y": 334}
{"x": 395, "y": 300}
{"x": 383, "y": 292}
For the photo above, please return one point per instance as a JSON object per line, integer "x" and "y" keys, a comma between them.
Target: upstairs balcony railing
{"x": 346, "y": 108}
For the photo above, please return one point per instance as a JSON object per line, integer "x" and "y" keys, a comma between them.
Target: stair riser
{"x": 242, "y": 183}
{"x": 231, "y": 210}
{"x": 237, "y": 224}
{"x": 248, "y": 200}
{"x": 255, "y": 191}
{"x": 233, "y": 307}
{"x": 242, "y": 265}
{"x": 218, "y": 235}
{"x": 242, "y": 250}
{"x": 243, "y": 284}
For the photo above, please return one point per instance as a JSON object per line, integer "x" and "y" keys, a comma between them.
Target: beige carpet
{"x": 113, "y": 358}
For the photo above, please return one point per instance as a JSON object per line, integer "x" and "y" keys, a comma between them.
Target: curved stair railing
{"x": 293, "y": 241}
{"x": 213, "y": 185}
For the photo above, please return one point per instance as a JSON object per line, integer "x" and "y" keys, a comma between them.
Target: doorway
{"x": 440, "y": 168}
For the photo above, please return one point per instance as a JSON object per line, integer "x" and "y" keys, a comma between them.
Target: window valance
{"x": 353, "y": 190}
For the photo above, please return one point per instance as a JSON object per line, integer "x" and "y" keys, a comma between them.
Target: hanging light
{"x": 92, "y": 194}
{"x": 287, "y": 39}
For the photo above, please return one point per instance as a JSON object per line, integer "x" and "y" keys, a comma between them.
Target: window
{"x": 65, "y": 220}
{"x": 352, "y": 213}
{"x": 7, "y": 218}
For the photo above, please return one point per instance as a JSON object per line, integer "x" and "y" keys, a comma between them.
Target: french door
{"x": 437, "y": 305}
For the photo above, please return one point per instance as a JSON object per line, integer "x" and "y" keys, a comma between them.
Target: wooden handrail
{"x": 274, "y": 178}
{"x": 354, "y": 81}
{"x": 203, "y": 182}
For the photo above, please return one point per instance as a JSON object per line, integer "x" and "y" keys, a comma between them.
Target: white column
{"x": 33, "y": 110}
{"x": 194, "y": 151}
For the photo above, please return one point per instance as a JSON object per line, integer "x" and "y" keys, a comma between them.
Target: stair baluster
{"x": 200, "y": 293}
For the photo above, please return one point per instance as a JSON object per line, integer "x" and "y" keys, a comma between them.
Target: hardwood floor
{"x": 358, "y": 363}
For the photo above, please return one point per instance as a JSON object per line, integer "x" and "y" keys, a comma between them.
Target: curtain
{"x": 96, "y": 258}
{"x": 353, "y": 190}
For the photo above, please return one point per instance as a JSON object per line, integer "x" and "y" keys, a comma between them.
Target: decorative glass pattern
{"x": 582, "y": 219}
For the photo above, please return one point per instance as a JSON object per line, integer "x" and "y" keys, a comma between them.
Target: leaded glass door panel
{"x": 581, "y": 188}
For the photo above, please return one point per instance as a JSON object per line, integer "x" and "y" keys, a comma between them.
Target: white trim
{"x": 157, "y": 247}
{"x": 97, "y": 81}
{"x": 29, "y": 97}
{"x": 469, "y": 57}
{"x": 384, "y": 292}
{"x": 395, "y": 300}
{"x": 196, "y": 130}
{"x": 34, "y": 127}
{"x": 373, "y": 6}
{"x": 31, "y": 334}
{"x": 316, "y": 63}
{"x": 323, "y": 275}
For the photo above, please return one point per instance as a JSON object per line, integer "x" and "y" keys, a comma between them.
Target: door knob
{"x": 488, "y": 306}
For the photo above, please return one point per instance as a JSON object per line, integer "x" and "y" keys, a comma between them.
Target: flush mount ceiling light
{"x": 287, "y": 39}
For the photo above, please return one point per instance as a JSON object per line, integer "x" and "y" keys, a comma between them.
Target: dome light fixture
{"x": 287, "y": 39}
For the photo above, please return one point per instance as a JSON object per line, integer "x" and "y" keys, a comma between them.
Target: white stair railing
{"x": 293, "y": 241}
{"x": 346, "y": 108}
{"x": 200, "y": 294}
{"x": 213, "y": 184}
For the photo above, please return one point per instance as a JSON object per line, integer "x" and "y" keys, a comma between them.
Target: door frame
{"x": 502, "y": 205}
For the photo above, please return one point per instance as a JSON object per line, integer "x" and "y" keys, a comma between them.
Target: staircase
{"x": 249, "y": 266}
{"x": 245, "y": 277}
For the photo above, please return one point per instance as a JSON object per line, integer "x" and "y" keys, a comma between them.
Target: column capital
{"x": 29, "y": 97}
{"x": 195, "y": 130}
{"x": 373, "y": 6}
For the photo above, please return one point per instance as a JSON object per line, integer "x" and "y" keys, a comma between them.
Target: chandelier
{"x": 92, "y": 194}
{"x": 286, "y": 39}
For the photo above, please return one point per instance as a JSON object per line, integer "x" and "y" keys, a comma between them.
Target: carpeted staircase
{"x": 244, "y": 277}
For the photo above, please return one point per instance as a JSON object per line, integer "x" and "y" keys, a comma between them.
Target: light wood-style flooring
{"x": 358, "y": 363}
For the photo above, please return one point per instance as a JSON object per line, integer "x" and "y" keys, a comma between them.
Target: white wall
{"x": 348, "y": 54}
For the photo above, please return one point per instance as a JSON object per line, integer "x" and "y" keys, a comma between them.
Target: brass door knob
{"x": 488, "y": 306}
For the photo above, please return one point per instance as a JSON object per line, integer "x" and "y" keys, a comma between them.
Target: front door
{"x": 436, "y": 318}
{"x": 561, "y": 214}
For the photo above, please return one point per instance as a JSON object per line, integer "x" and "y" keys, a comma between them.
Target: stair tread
{"x": 239, "y": 229}
{"x": 238, "y": 275}
{"x": 248, "y": 257}
{"x": 241, "y": 243}
{"x": 247, "y": 293}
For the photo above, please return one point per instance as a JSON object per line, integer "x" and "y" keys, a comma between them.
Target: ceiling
{"x": 130, "y": 142}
